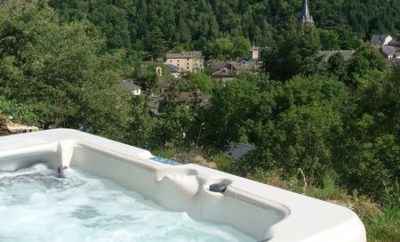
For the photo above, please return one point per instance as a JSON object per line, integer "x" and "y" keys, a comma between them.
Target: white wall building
{"x": 192, "y": 61}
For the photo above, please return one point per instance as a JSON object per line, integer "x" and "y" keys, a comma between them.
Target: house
{"x": 130, "y": 86}
{"x": 227, "y": 71}
{"x": 391, "y": 52}
{"x": 389, "y": 47}
{"x": 381, "y": 40}
{"x": 186, "y": 62}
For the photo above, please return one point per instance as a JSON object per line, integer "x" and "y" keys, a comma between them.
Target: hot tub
{"x": 262, "y": 212}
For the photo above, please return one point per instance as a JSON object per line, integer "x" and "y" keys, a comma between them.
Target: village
{"x": 171, "y": 79}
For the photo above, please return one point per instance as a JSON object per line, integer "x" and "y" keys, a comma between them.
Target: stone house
{"x": 186, "y": 62}
{"x": 229, "y": 70}
{"x": 389, "y": 47}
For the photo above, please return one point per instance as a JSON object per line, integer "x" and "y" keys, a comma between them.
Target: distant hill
{"x": 157, "y": 25}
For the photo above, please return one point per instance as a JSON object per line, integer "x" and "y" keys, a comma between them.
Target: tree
{"x": 59, "y": 71}
{"x": 175, "y": 126}
{"x": 329, "y": 40}
{"x": 365, "y": 60}
{"x": 241, "y": 47}
{"x": 371, "y": 141}
{"x": 202, "y": 82}
{"x": 296, "y": 53}
{"x": 142, "y": 124}
{"x": 155, "y": 42}
{"x": 18, "y": 112}
{"x": 233, "y": 107}
{"x": 145, "y": 76}
{"x": 194, "y": 23}
{"x": 292, "y": 124}
{"x": 337, "y": 66}
{"x": 221, "y": 48}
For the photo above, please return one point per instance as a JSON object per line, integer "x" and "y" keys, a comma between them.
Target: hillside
{"x": 156, "y": 26}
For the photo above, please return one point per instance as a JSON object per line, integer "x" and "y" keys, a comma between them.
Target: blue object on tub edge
{"x": 165, "y": 161}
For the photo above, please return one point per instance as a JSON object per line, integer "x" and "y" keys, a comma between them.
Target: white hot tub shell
{"x": 264, "y": 212}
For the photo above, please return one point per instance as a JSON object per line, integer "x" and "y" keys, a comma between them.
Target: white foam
{"x": 35, "y": 206}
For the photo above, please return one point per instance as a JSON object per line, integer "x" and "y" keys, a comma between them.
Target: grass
{"x": 385, "y": 227}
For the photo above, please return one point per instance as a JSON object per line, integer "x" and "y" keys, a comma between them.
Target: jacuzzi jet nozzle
{"x": 219, "y": 187}
{"x": 60, "y": 172}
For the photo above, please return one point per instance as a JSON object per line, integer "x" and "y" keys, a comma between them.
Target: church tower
{"x": 306, "y": 18}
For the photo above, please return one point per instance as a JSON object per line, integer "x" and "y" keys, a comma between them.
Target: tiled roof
{"x": 389, "y": 50}
{"x": 184, "y": 55}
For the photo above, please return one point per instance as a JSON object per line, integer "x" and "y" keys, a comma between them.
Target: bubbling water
{"x": 36, "y": 206}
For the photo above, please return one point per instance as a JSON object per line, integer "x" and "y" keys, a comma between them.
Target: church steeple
{"x": 306, "y": 18}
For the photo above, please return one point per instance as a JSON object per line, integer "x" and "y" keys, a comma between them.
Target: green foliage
{"x": 296, "y": 53}
{"x": 229, "y": 48}
{"x": 303, "y": 125}
{"x": 384, "y": 227}
{"x": 195, "y": 82}
{"x": 317, "y": 124}
{"x": 337, "y": 66}
{"x": 329, "y": 40}
{"x": 232, "y": 109}
{"x": 221, "y": 48}
{"x": 175, "y": 125}
{"x": 18, "y": 112}
{"x": 58, "y": 69}
{"x": 202, "y": 82}
{"x": 141, "y": 124}
{"x": 372, "y": 142}
{"x": 223, "y": 161}
{"x": 145, "y": 76}
{"x": 161, "y": 25}
{"x": 365, "y": 59}
{"x": 241, "y": 47}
